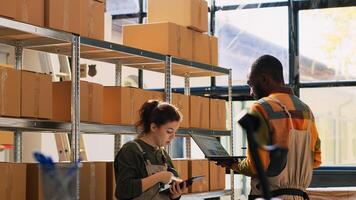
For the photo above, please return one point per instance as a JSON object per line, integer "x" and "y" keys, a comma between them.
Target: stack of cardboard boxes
{"x": 214, "y": 176}
{"x": 25, "y": 94}
{"x": 176, "y": 28}
{"x": 82, "y": 17}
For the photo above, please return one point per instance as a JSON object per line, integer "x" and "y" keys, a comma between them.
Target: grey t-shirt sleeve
{"x": 128, "y": 172}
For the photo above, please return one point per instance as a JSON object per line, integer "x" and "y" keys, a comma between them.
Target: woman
{"x": 141, "y": 165}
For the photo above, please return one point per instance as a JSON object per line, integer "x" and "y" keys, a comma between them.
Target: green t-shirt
{"x": 130, "y": 167}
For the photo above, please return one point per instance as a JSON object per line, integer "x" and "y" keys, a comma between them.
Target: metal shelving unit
{"x": 25, "y": 36}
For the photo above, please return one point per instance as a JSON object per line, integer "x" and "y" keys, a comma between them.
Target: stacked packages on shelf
{"x": 176, "y": 28}
{"x": 82, "y": 17}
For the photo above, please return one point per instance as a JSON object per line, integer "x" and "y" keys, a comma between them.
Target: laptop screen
{"x": 210, "y": 146}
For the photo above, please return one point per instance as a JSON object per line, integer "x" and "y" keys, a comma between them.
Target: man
{"x": 287, "y": 124}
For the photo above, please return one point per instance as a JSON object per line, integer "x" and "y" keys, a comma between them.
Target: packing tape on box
{"x": 9, "y": 172}
{"x": 66, "y": 17}
{"x": 3, "y": 78}
{"x": 37, "y": 95}
{"x": 91, "y": 17}
{"x": 90, "y": 102}
{"x": 201, "y": 112}
{"x": 92, "y": 181}
{"x": 132, "y": 104}
{"x": 25, "y": 11}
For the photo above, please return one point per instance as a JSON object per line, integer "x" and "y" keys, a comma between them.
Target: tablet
{"x": 190, "y": 181}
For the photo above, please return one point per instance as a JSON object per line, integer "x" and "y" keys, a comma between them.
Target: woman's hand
{"x": 176, "y": 190}
{"x": 164, "y": 176}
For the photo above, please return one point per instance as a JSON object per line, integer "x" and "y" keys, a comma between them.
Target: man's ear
{"x": 264, "y": 79}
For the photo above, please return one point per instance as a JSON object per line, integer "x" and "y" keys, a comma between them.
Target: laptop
{"x": 213, "y": 150}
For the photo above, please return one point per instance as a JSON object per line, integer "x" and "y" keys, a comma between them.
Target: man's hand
{"x": 228, "y": 164}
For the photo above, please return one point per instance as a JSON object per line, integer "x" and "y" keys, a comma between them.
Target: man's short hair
{"x": 270, "y": 66}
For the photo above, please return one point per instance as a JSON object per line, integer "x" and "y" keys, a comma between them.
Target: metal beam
{"x": 313, "y": 4}
{"x": 293, "y": 25}
{"x": 75, "y": 109}
{"x": 251, "y": 6}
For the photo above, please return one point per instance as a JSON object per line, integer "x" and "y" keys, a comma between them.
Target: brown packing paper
{"x": 30, "y": 11}
{"x": 10, "y": 91}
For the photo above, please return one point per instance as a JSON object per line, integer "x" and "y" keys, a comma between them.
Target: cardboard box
{"x": 181, "y": 166}
{"x": 214, "y": 49}
{"x": 110, "y": 181}
{"x": 164, "y": 38}
{"x": 217, "y": 114}
{"x": 199, "y": 168}
{"x": 92, "y": 19}
{"x": 201, "y": 48}
{"x": 199, "y": 112}
{"x": 30, "y": 11}
{"x": 36, "y": 95}
{"x": 93, "y": 180}
{"x": 91, "y": 101}
{"x": 36, "y": 185}
{"x": 102, "y": 1}
{"x": 154, "y": 95}
{"x": 34, "y": 190}
{"x": 118, "y": 106}
{"x": 13, "y": 181}
{"x": 139, "y": 98}
{"x": 187, "y": 13}
{"x": 10, "y": 92}
{"x": 63, "y": 15}
{"x": 217, "y": 177}
{"x": 182, "y": 103}
{"x": 6, "y": 137}
{"x": 8, "y": 8}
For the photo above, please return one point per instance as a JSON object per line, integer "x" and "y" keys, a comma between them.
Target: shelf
{"x": 32, "y": 37}
{"x": 47, "y": 40}
{"x": 23, "y": 124}
{"x": 141, "y": 59}
{"x": 206, "y": 195}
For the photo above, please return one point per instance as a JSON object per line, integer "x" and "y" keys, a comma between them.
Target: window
{"x": 335, "y": 114}
{"x": 327, "y": 44}
{"x": 245, "y": 35}
{"x": 115, "y": 7}
{"x": 234, "y": 2}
